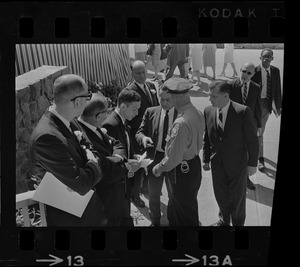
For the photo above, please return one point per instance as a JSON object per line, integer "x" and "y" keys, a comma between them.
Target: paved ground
{"x": 259, "y": 202}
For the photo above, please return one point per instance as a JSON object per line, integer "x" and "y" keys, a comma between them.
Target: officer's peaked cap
{"x": 178, "y": 85}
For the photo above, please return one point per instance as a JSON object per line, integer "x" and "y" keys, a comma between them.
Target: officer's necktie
{"x": 147, "y": 92}
{"x": 165, "y": 130}
{"x": 220, "y": 123}
{"x": 244, "y": 93}
{"x": 268, "y": 85}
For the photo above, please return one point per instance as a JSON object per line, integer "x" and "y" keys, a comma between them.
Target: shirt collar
{"x": 65, "y": 122}
{"x": 225, "y": 108}
{"x": 241, "y": 82}
{"x": 90, "y": 126}
{"x": 140, "y": 84}
{"x": 268, "y": 69}
{"x": 123, "y": 120}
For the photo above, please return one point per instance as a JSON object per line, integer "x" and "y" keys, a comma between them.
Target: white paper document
{"x": 54, "y": 193}
{"x": 143, "y": 161}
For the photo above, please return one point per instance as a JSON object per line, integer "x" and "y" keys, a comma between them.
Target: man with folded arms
{"x": 55, "y": 148}
{"x": 111, "y": 189}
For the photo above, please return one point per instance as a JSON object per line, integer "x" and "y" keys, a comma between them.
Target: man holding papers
{"x": 128, "y": 104}
{"x": 54, "y": 148}
{"x": 152, "y": 136}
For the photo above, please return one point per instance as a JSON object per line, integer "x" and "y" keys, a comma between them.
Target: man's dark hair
{"x": 95, "y": 105}
{"x": 223, "y": 86}
{"x": 127, "y": 96}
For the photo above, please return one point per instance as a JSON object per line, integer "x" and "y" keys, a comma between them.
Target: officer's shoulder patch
{"x": 175, "y": 129}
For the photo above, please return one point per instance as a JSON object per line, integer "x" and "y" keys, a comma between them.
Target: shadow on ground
{"x": 262, "y": 195}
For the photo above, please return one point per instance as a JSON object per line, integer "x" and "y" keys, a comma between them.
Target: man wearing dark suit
{"x": 111, "y": 189}
{"x": 148, "y": 93}
{"x": 268, "y": 77}
{"x": 128, "y": 104}
{"x": 54, "y": 148}
{"x": 246, "y": 92}
{"x": 231, "y": 146}
{"x": 151, "y": 135}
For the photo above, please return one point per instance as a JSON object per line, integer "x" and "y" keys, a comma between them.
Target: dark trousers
{"x": 154, "y": 187}
{"x": 127, "y": 220}
{"x": 136, "y": 183}
{"x": 113, "y": 198}
{"x": 183, "y": 203}
{"x": 230, "y": 193}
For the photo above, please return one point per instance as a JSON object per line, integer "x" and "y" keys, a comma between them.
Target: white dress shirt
{"x": 161, "y": 126}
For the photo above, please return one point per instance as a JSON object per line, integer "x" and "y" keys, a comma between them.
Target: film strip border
{"x": 163, "y": 247}
{"x": 258, "y": 21}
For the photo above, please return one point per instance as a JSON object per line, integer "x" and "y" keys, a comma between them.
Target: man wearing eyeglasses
{"x": 268, "y": 77}
{"x": 56, "y": 149}
{"x": 246, "y": 92}
{"x": 112, "y": 188}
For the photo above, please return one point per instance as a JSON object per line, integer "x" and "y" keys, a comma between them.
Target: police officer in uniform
{"x": 181, "y": 160}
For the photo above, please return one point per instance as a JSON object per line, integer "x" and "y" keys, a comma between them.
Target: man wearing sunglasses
{"x": 268, "y": 77}
{"x": 246, "y": 92}
{"x": 56, "y": 149}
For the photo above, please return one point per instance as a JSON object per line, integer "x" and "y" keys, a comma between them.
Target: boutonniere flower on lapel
{"x": 82, "y": 141}
{"x": 153, "y": 91}
{"x": 79, "y": 135}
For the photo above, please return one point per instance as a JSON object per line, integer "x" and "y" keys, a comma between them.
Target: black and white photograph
{"x": 147, "y": 135}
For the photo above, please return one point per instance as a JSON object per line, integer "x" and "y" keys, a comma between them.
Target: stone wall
{"x": 34, "y": 90}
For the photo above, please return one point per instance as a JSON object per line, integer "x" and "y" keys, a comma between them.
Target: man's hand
{"x": 206, "y": 167}
{"x": 134, "y": 165}
{"x": 147, "y": 142}
{"x": 251, "y": 170}
{"x": 156, "y": 171}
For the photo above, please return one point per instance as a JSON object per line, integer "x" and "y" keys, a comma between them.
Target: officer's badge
{"x": 174, "y": 130}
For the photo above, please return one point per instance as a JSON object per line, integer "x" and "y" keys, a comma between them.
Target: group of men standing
{"x": 171, "y": 130}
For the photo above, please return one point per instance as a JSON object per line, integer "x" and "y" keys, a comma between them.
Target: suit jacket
{"x": 115, "y": 128}
{"x": 275, "y": 85}
{"x": 150, "y": 127}
{"x": 253, "y": 98}
{"x": 53, "y": 148}
{"x": 112, "y": 169}
{"x": 145, "y": 103}
{"x": 238, "y": 146}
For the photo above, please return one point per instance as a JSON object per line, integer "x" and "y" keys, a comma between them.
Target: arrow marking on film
{"x": 189, "y": 261}
{"x": 54, "y": 260}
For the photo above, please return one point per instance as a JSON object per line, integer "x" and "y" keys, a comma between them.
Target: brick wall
{"x": 33, "y": 92}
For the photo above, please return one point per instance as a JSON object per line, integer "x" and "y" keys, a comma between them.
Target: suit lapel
{"x": 141, "y": 92}
{"x": 229, "y": 119}
{"x": 122, "y": 129}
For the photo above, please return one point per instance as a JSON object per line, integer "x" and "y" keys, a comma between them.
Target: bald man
{"x": 55, "y": 148}
{"x": 148, "y": 93}
{"x": 246, "y": 92}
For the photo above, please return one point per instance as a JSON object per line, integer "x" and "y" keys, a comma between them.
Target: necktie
{"x": 146, "y": 90}
{"x": 220, "y": 123}
{"x": 127, "y": 137}
{"x": 244, "y": 93}
{"x": 268, "y": 85}
{"x": 165, "y": 130}
{"x": 100, "y": 132}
